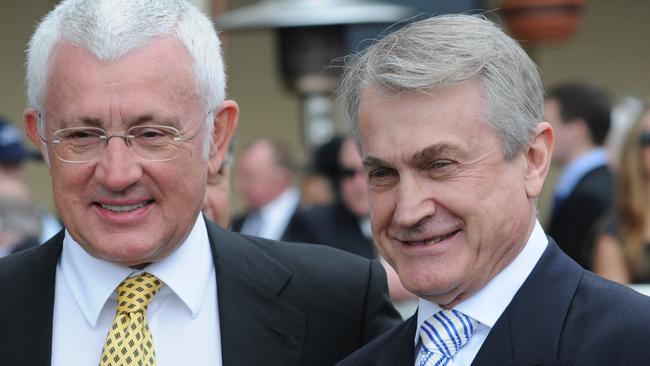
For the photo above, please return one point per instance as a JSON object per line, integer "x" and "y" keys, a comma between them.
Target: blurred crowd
{"x": 23, "y": 222}
{"x": 599, "y": 213}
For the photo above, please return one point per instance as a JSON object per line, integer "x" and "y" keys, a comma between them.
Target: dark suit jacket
{"x": 279, "y": 304}
{"x": 572, "y": 222}
{"x": 333, "y": 225}
{"x": 562, "y": 315}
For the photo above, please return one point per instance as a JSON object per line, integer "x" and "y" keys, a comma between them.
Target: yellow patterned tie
{"x": 129, "y": 340}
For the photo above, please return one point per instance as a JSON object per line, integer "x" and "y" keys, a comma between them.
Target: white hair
{"x": 110, "y": 29}
{"x": 446, "y": 50}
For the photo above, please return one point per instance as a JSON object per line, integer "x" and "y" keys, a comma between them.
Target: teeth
{"x": 124, "y": 208}
{"x": 439, "y": 239}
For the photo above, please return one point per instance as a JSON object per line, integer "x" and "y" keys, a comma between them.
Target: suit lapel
{"x": 405, "y": 350}
{"x": 257, "y": 326}
{"x": 528, "y": 332}
{"x": 26, "y": 318}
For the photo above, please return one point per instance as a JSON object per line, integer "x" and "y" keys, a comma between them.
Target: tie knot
{"x": 135, "y": 293}
{"x": 446, "y": 331}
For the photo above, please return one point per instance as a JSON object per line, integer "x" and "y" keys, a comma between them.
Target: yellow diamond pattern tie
{"x": 129, "y": 340}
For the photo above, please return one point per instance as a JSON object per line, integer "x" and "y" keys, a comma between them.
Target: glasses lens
{"x": 349, "y": 172}
{"x": 644, "y": 139}
{"x": 156, "y": 143}
{"x": 78, "y": 144}
{"x": 82, "y": 144}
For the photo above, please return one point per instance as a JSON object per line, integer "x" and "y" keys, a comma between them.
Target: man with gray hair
{"x": 448, "y": 116}
{"x": 127, "y": 105}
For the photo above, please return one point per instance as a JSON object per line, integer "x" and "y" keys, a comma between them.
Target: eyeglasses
{"x": 347, "y": 173}
{"x": 148, "y": 142}
{"x": 644, "y": 139}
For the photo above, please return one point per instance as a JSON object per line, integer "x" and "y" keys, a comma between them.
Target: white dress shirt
{"x": 487, "y": 305}
{"x": 183, "y": 317}
{"x": 274, "y": 216}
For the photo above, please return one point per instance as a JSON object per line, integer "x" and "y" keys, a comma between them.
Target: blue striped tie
{"x": 442, "y": 335}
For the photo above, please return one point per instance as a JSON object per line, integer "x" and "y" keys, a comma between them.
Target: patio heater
{"x": 313, "y": 37}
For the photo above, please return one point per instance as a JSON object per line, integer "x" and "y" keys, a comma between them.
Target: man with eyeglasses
{"x": 127, "y": 104}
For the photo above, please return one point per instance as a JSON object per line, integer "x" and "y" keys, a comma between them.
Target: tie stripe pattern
{"x": 442, "y": 335}
{"x": 129, "y": 340}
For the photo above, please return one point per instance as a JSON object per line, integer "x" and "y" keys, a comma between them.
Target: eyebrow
{"x": 98, "y": 122}
{"x": 430, "y": 152}
{"x": 372, "y": 161}
{"x": 82, "y": 121}
{"x": 420, "y": 157}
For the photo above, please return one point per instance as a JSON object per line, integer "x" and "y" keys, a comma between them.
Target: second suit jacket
{"x": 279, "y": 304}
{"x": 562, "y": 315}
{"x": 333, "y": 225}
{"x": 572, "y": 222}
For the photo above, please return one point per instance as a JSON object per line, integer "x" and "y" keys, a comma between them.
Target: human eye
{"x": 440, "y": 164}
{"x": 441, "y": 168}
{"x": 153, "y": 135}
{"x": 79, "y": 136}
{"x": 381, "y": 176}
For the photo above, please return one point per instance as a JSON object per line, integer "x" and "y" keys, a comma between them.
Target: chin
{"x": 129, "y": 256}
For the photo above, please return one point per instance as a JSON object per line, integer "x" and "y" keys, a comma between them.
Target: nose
{"x": 118, "y": 168}
{"x": 415, "y": 202}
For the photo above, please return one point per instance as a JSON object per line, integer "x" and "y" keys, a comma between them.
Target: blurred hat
{"x": 12, "y": 150}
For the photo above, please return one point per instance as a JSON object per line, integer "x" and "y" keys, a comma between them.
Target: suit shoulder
{"x": 18, "y": 264}
{"x": 307, "y": 254}
{"x": 605, "y": 293}
{"x": 396, "y": 344}
{"x": 611, "y": 308}
{"x": 28, "y": 272}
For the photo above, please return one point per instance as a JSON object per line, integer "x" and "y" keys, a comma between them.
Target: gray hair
{"x": 445, "y": 50}
{"x": 110, "y": 29}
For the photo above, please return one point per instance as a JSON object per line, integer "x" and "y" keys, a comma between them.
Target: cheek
{"x": 69, "y": 180}
{"x": 381, "y": 210}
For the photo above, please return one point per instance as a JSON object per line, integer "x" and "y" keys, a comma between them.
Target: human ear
{"x": 30, "y": 118}
{"x": 538, "y": 159}
{"x": 225, "y": 125}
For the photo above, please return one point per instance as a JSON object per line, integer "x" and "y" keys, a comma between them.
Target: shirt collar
{"x": 577, "y": 168}
{"x": 186, "y": 273}
{"x": 497, "y": 293}
{"x": 287, "y": 199}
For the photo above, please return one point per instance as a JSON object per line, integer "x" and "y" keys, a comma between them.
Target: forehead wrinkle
{"x": 82, "y": 121}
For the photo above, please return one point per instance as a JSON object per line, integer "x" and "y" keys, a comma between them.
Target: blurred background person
{"x": 216, "y": 204}
{"x": 13, "y": 156}
{"x": 580, "y": 116}
{"x": 621, "y": 250}
{"x": 319, "y": 185}
{"x": 345, "y": 223}
{"x": 12, "y": 152}
{"x": 266, "y": 173}
{"x": 20, "y": 225}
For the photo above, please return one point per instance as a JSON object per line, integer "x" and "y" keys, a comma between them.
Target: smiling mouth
{"x": 431, "y": 241}
{"x": 125, "y": 208}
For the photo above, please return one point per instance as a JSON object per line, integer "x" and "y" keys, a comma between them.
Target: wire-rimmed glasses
{"x": 148, "y": 142}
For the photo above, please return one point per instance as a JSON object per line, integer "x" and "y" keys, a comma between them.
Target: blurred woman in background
{"x": 622, "y": 247}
